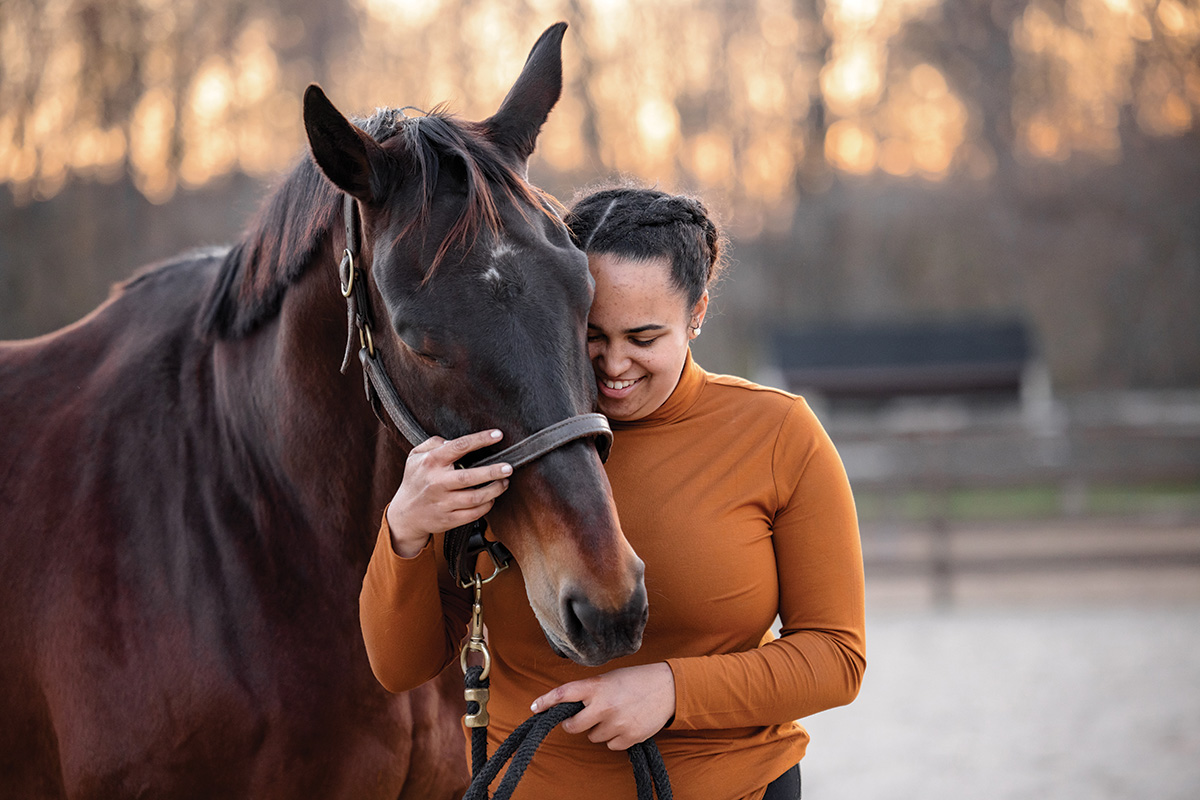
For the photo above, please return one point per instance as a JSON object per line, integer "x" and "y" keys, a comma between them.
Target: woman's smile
{"x": 616, "y": 389}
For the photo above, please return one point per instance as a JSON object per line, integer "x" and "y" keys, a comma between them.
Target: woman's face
{"x": 638, "y": 333}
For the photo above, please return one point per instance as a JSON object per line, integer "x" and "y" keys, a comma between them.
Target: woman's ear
{"x": 697, "y": 318}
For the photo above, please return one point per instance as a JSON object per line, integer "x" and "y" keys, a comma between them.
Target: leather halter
{"x": 464, "y": 543}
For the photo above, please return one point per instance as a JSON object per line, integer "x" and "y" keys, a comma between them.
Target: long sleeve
{"x": 737, "y": 503}
{"x": 819, "y": 659}
{"x": 413, "y": 615}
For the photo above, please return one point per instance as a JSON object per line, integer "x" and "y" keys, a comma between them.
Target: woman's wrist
{"x": 406, "y": 543}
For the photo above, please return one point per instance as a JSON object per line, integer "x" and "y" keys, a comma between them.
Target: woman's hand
{"x": 621, "y": 708}
{"x": 435, "y": 496}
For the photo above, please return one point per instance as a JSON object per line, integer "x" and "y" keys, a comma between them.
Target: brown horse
{"x": 189, "y": 490}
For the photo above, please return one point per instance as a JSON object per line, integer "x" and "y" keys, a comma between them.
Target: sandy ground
{"x": 1055, "y": 686}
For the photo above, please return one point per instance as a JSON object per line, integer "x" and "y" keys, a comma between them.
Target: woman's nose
{"x": 613, "y": 361}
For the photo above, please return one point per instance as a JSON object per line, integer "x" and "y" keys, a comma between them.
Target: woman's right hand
{"x": 435, "y": 496}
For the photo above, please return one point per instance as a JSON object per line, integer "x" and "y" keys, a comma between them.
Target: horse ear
{"x": 346, "y": 154}
{"x": 516, "y": 125}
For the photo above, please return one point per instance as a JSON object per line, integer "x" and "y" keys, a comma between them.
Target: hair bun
{"x": 699, "y": 214}
{"x": 643, "y": 224}
{"x": 671, "y": 209}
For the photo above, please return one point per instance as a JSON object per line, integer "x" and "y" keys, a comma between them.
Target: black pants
{"x": 785, "y": 787}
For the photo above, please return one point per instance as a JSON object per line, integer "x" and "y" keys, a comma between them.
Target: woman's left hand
{"x": 621, "y": 708}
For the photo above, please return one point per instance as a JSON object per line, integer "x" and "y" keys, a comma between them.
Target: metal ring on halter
{"x": 497, "y": 568}
{"x": 365, "y": 340}
{"x": 348, "y": 282}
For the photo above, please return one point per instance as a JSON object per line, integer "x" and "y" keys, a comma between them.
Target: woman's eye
{"x": 644, "y": 342}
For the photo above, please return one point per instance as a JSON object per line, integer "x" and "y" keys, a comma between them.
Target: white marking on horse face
{"x": 499, "y": 253}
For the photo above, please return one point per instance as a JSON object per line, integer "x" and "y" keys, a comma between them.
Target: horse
{"x": 190, "y": 490}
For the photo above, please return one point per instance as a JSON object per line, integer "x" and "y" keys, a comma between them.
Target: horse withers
{"x": 190, "y": 491}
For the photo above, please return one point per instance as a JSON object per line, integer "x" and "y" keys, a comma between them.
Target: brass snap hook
{"x": 475, "y": 643}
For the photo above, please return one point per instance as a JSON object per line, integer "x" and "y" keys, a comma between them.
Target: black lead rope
{"x": 477, "y": 687}
{"x": 649, "y": 771}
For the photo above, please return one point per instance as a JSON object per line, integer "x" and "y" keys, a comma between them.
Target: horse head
{"x": 481, "y": 304}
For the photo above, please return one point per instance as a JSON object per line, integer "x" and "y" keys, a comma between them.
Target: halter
{"x": 464, "y": 543}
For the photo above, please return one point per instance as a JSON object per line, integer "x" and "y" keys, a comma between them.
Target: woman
{"x": 732, "y": 495}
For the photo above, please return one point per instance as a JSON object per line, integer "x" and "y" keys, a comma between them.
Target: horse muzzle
{"x": 596, "y": 635}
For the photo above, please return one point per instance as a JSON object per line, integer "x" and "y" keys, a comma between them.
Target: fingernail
{"x": 496, "y": 434}
{"x": 534, "y": 707}
{"x": 505, "y": 469}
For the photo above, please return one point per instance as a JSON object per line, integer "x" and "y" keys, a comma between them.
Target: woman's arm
{"x": 819, "y": 659}
{"x": 413, "y": 614}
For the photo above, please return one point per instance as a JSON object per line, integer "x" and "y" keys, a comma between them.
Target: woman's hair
{"x": 642, "y": 224}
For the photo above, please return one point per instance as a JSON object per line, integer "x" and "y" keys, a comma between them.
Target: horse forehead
{"x": 502, "y": 250}
{"x": 491, "y": 265}
{"x": 509, "y": 265}
{"x": 502, "y": 261}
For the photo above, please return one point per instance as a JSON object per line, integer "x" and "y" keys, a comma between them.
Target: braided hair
{"x": 642, "y": 224}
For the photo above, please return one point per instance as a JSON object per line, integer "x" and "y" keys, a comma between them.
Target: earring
{"x": 695, "y": 331}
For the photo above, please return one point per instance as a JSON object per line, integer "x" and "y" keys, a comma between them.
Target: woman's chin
{"x": 613, "y": 409}
{"x": 620, "y": 404}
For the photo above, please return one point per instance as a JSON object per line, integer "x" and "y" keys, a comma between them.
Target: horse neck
{"x": 308, "y": 428}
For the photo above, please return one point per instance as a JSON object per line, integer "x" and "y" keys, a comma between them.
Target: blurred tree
{"x": 970, "y": 40}
{"x": 755, "y": 99}
{"x": 884, "y": 157}
{"x": 163, "y": 90}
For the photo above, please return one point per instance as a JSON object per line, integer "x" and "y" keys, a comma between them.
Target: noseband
{"x": 464, "y": 543}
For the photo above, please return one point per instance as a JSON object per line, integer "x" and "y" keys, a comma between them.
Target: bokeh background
{"x": 967, "y": 230}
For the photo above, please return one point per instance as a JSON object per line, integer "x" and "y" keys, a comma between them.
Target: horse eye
{"x": 423, "y": 350}
{"x": 433, "y": 360}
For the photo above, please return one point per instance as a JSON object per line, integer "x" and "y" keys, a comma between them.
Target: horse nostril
{"x": 582, "y": 617}
{"x": 607, "y": 633}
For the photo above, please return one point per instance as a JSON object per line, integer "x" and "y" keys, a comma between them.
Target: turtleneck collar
{"x": 683, "y": 397}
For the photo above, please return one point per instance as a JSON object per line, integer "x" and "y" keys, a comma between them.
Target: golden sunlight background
{"x": 873, "y": 160}
{"x": 910, "y": 186}
{"x": 762, "y": 99}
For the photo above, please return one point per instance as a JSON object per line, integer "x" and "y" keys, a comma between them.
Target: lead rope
{"x": 649, "y": 771}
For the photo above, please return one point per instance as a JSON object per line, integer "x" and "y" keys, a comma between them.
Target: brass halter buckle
{"x": 477, "y": 644}
{"x": 500, "y": 562}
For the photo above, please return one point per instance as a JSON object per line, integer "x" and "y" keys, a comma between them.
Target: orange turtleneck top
{"x": 734, "y": 497}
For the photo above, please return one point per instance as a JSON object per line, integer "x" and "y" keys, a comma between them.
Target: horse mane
{"x": 290, "y": 227}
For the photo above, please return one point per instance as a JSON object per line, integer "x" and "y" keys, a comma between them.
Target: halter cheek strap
{"x": 464, "y": 543}
{"x": 353, "y": 286}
